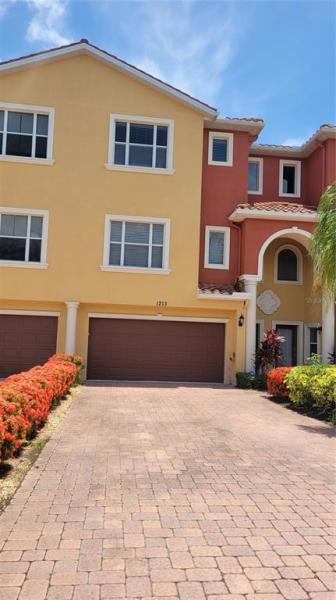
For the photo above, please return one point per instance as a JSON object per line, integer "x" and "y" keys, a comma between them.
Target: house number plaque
{"x": 162, "y": 303}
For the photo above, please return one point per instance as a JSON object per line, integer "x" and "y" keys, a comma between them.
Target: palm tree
{"x": 323, "y": 244}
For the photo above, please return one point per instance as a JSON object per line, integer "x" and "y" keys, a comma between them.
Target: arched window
{"x": 288, "y": 264}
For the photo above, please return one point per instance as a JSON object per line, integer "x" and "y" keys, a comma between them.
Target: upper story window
{"x": 217, "y": 247}
{"x": 220, "y": 151}
{"x": 23, "y": 234}
{"x": 288, "y": 265}
{"x": 136, "y": 243}
{"x": 141, "y": 144}
{"x": 25, "y": 132}
{"x": 255, "y": 176}
{"x": 290, "y": 178}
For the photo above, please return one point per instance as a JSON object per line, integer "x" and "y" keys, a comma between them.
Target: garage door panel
{"x": 25, "y": 341}
{"x": 155, "y": 350}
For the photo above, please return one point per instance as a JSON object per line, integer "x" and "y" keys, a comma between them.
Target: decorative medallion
{"x": 268, "y": 302}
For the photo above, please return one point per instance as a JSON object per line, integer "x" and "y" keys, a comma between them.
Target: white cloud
{"x": 294, "y": 141}
{"x": 48, "y": 22}
{"x": 188, "y": 44}
{"x": 5, "y": 6}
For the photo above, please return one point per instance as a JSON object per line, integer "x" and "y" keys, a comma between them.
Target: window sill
{"x": 220, "y": 164}
{"x": 26, "y": 159}
{"x": 135, "y": 270}
{"x": 223, "y": 267}
{"x": 110, "y": 167}
{"x": 283, "y": 195}
{"x": 283, "y": 282}
{"x": 25, "y": 265}
{"x": 254, "y": 193}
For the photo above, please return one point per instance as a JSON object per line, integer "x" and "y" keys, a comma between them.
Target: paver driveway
{"x": 174, "y": 492}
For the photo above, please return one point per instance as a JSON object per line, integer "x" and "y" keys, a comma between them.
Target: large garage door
{"x": 25, "y": 341}
{"x": 155, "y": 350}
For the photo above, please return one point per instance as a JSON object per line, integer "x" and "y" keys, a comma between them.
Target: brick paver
{"x": 174, "y": 492}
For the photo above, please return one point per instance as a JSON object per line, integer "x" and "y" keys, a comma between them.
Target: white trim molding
{"x": 297, "y": 178}
{"x": 299, "y": 263}
{"x": 71, "y": 327}
{"x": 299, "y": 339}
{"x": 307, "y": 328}
{"x": 157, "y": 317}
{"x": 35, "y": 109}
{"x": 260, "y": 163}
{"x": 235, "y": 296}
{"x": 226, "y": 258}
{"x": 32, "y": 313}
{"x": 240, "y": 214}
{"x": 291, "y": 232}
{"x": 221, "y": 135}
{"x": 29, "y": 212}
{"x": 129, "y": 119}
{"x": 131, "y": 219}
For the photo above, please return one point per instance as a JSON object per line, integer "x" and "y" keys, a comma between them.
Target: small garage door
{"x": 25, "y": 341}
{"x": 155, "y": 350}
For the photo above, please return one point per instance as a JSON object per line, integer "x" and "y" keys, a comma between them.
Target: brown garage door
{"x": 25, "y": 341}
{"x": 155, "y": 350}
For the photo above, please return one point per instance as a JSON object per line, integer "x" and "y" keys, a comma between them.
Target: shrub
{"x": 276, "y": 382}
{"x": 27, "y": 398}
{"x": 313, "y": 386}
{"x": 269, "y": 352}
{"x": 244, "y": 380}
{"x": 250, "y": 380}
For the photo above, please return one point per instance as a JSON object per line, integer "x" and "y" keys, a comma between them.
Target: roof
{"x": 251, "y": 125}
{"x": 85, "y": 47}
{"x": 216, "y": 288}
{"x": 325, "y": 131}
{"x": 275, "y": 211}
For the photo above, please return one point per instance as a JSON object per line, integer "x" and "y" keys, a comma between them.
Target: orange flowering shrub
{"x": 276, "y": 385}
{"x": 27, "y": 398}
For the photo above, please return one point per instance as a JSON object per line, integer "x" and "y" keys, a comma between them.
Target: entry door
{"x": 289, "y": 346}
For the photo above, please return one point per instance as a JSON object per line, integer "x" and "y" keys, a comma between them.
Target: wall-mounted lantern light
{"x": 241, "y": 321}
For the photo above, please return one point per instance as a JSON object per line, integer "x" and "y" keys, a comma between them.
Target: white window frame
{"x": 226, "y": 231}
{"x": 297, "y": 165}
{"x": 147, "y": 121}
{"x": 131, "y": 219}
{"x": 222, "y": 135}
{"x": 260, "y": 163}
{"x": 30, "y": 108}
{"x": 29, "y": 212}
{"x": 307, "y": 328}
{"x": 299, "y": 257}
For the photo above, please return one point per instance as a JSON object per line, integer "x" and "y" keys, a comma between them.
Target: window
{"x": 220, "y": 151}
{"x": 312, "y": 340}
{"x": 140, "y": 143}
{"x": 23, "y": 236}
{"x": 25, "y": 132}
{"x": 288, "y": 265}
{"x": 133, "y": 243}
{"x": 255, "y": 176}
{"x": 290, "y": 178}
{"x": 217, "y": 247}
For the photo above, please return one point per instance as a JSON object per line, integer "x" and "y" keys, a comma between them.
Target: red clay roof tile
{"x": 279, "y": 207}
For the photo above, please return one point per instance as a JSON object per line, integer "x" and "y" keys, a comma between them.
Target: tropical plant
{"x": 322, "y": 247}
{"x": 268, "y": 354}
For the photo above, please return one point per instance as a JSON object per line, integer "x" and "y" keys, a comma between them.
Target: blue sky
{"x": 273, "y": 58}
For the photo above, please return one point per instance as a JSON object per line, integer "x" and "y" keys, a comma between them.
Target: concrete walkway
{"x": 174, "y": 492}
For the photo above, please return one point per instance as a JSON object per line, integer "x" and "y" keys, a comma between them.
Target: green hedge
{"x": 250, "y": 381}
{"x": 313, "y": 387}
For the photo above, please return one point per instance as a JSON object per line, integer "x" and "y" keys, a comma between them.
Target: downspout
{"x": 237, "y": 227}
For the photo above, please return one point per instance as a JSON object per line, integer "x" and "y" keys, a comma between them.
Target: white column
{"x": 251, "y": 318}
{"x": 328, "y": 328}
{"x": 70, "y": 329}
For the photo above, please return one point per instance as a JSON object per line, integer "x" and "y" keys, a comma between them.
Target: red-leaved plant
{"x": 27, "y": 398}
{"x": 268, "y": 353}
